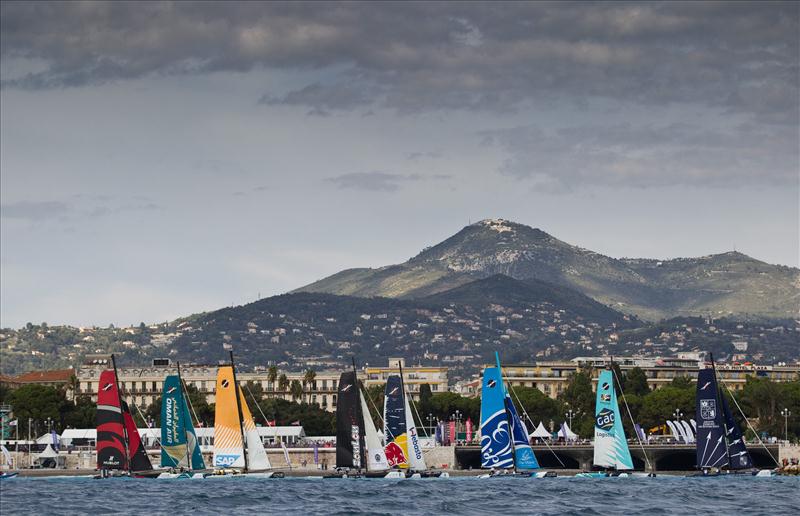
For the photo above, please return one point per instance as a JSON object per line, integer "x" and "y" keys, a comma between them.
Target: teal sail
{"x": 496, "y": 446}
{"x": 524, "y": 457}
{"x": 610, "y": 446}
{"x": 179, "y": 447}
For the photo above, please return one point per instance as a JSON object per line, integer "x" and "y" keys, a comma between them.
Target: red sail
{"x": 136, "y": 452}
{"x": 110, "y": 433}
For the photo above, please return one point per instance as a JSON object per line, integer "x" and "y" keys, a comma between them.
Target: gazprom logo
{"x": 225, "y": 460}
{"x": 605, "y": 419}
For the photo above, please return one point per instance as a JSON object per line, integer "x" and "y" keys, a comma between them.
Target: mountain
{"x": 720, "y": 285}
{"x": 502, "y": 290}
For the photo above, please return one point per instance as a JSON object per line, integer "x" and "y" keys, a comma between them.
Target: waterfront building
{"x": 552, "y": 377}
{"x": 143, "y": 385}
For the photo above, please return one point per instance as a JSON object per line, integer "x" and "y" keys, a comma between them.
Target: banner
{"x": 469, "y": 430}
{"x": 453, "y": 435}
{"x": 316, "y": 453}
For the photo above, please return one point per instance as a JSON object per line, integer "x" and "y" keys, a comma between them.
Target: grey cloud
{"x": 35, "y": 211}
{"x": 421, "y": 56}
{"x": 372, "y": 181}
{"x": 558, "y": 161}
{"x": 414, "y": 156}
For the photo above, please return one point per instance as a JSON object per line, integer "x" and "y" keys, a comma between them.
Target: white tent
{"x": 541, "y": 432}
{"x": 688, "y": 432}
{"x": 566, "y": 433}
{"x": 48, "y": 453}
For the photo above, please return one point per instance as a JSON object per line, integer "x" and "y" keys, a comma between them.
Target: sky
{"x": 162, "y": 159}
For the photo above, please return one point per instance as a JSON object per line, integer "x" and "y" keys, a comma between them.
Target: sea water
{"x": 464, "y": 495}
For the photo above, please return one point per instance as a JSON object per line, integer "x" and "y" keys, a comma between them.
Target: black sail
{"x": 349, "y": 424}
{"x": 711, "y": 445}
{"x": 737, "y": 450}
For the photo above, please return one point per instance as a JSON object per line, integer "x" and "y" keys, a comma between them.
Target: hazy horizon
{"x": 163, "y": 159}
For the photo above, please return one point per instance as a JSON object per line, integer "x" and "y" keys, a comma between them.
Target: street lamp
{"x": 786, "y": 413}
{"x": 678, "y": 414}
{"x": 570, "y": 414}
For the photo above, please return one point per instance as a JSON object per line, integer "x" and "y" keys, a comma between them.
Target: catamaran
{"x": 180, "y": 451}
{"x": 237, "y": 446}
{"x": 720, "y": 444}
{"x": 120, "y": 451}
{"x": 610, "y": 445}
{"x": 403, "y": 447}
{"x": 359, "y": 452}
{"x": 505, "y": 448}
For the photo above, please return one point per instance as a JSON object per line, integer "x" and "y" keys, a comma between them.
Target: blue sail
{"x": 496, "y": 449}
{"x": 179, "y": 446}
{"x": 711, "y": 446}
{"x": 738, "y": 455}
{"x": 523, "y": 454}
{"x": 610, "y": 446}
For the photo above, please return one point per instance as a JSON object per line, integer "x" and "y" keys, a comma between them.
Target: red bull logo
{"x": 395, "y": 455}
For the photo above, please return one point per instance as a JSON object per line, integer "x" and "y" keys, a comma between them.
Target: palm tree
{"x": 272, "y": 375}
{"x": 283, "y": 383}
{"x": 308, "y": 378}
{"x": 296, "y": 390}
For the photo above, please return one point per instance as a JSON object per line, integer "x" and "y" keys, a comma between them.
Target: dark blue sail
{"x": 737, "y": 451}
{"x": 711, "y": 446}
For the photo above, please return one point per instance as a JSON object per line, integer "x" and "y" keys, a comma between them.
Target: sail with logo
{"x": 504, "y": 437}
{"x": 119, "y": 445}
{"x": 394, "y": 423}
{"x": 497, "y": 451}
{"x": 711, "y": 445}
{"x": 237, "y": 445}
{"x": 358, "y": 448}
{"x": 720, "y": 443}
{"x": 179, "y": 446}
{"x": 112, "y": 449}
{"x": 610, "y": 445}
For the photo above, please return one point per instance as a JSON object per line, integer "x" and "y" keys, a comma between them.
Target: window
{"x": 324, "y": 400}
{"x": 333, "y": 403}
{"x": 324, "y": 385}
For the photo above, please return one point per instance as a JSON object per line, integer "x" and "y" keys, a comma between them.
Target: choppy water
{"x": 662, "y": 495}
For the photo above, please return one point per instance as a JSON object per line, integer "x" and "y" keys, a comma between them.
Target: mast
{"x": 121, "y": 415}
{"x": 508, "y": 416}
{"x": 239, "y": 410}
{"x": 360, "y": 416}
{"x": 185, "y": 416}
{"x": 719, "y": 394}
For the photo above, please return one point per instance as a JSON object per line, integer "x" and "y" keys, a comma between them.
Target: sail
{"x": 179, "y": 446}
{"x": 738, "y": 455}
{"x": 256, "y": 455}
{"x": 228, "y": 446}
{"x": 394, "y": 423}
{"x": 524, "y": 457}
{"x": 136, "y": 453}
{"x": 711, "y": 448}
{"x": 610, "y": 446}
{"x": 349, "y": 424}
{"x": 376, "y": 458}
{"x": 111, "y": 445}
{"x": 416, "y": 461}
{"x": 496, "y": 449}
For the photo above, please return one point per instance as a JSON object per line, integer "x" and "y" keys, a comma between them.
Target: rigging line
{"x": 531, "y": 420}
{"x": 748, "y": 423}
{"x": 191, "y": 406}
{"x": 275, "y": 426}
{"x": 141, "y": 415}
{"x": 421, "y": 421}
{"x": 380, "y": 416}
{"x": 638, "y": 438}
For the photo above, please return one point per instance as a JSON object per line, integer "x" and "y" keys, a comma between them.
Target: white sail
{"x": 375, "y": 453}
{"x": 415, "y": 460}
{"x": 256, "y": 455}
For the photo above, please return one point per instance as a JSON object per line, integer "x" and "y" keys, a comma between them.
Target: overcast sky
{"x": 164, "y": 159}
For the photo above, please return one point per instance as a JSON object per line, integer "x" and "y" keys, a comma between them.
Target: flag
{"x": 270, "y": 423}
{"x": 13, "y": 423}
{"x": 469, "y": 430}
{"x": 438, "y": 436}
{"x": 453, "y": 436}
{"x": 316, "y": 452}
{"x": 295, "y": 423}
